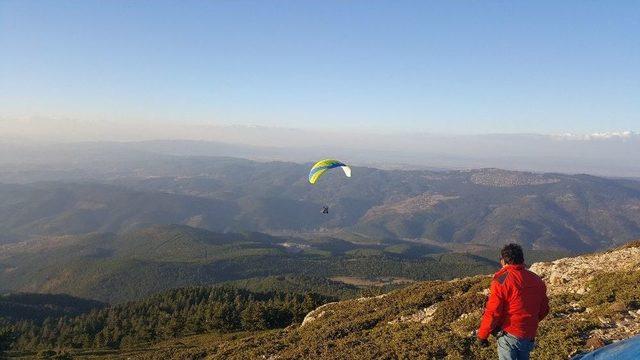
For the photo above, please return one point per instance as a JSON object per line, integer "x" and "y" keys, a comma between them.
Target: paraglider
{"x": 321, "y": 167}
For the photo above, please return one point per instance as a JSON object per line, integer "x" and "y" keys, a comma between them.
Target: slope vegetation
{"x": 436, "y": 320}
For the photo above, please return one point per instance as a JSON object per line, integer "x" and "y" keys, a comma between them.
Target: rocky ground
{"x": 576, "y": 275}
{"x": 572, "y": 275}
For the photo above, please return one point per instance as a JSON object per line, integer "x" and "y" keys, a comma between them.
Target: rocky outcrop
{"x": 422, "y": 316}
{"x": 572, "y": 275}
{"x": 316, "y": 313}
{"x": 326, "y": 308}
{"x": 612, "y": 322}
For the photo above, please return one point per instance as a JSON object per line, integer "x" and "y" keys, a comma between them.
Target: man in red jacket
{"x": 517, "y": 302}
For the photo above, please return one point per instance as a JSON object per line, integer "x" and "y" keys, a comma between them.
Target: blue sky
{"x": 441, "y": 67}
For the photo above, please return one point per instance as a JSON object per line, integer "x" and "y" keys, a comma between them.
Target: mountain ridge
{"x": 577, "y": 213}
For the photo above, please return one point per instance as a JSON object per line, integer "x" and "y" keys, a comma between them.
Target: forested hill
{"x": 574, "y": 213}
{"x": 38, "y": 307}
{"x": 169, "y": 315}
{"x": 133, "y": 265}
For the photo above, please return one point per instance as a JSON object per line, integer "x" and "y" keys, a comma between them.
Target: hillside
{"x": 69, "y": 209}
{"x": 169, "y": 315}
{"x": 437, "y": 319}
{"x": 594, "y": 301}
{"x": 576, "y": 213}
{"x": 38, "y": 307}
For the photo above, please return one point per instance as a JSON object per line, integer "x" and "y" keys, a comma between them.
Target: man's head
{"x": 511, "y": 255}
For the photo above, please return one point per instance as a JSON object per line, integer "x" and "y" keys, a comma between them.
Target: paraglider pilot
{"x": 319, "y": 168}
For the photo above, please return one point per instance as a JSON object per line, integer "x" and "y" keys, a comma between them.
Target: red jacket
{"x": 517, "y": 302}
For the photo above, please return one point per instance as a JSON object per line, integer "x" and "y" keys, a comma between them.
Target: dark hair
{"x": 512, "y": 254}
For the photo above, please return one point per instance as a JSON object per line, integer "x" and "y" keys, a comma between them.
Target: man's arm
{"x": 544, "y": 306}
{"x": 494, "y": 311}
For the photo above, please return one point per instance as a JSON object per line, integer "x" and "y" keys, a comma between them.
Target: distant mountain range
{"x": 613, "y": 153}
{"x": 485, "y": 207}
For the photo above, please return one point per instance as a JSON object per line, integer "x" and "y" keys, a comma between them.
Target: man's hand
{"x": 482, "y": 342}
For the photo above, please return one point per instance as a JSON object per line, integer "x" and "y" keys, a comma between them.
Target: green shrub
{"x": 621, "y": 287}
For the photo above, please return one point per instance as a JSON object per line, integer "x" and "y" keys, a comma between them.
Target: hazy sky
{"x": 442, "y": 67}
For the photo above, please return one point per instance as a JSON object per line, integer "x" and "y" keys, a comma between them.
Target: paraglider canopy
{"x": 319, "y": 168}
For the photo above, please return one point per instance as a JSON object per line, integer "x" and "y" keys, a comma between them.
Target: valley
{"x": 180, "y": 254}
